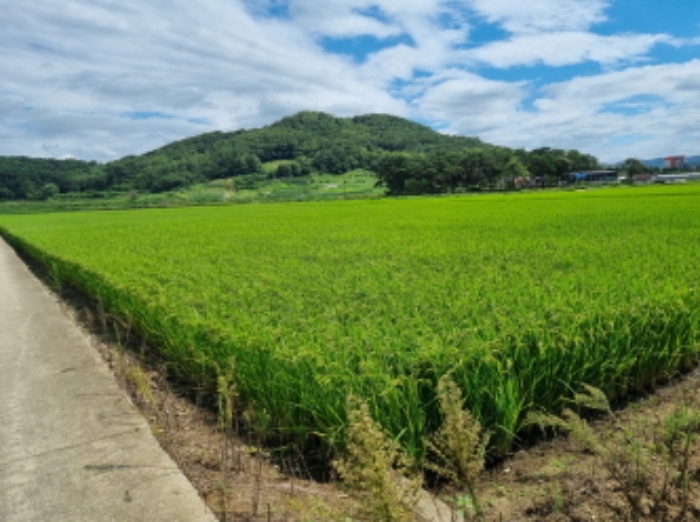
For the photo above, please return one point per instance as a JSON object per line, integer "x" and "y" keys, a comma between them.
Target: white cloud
{"x": 77, "y": 74}
{"x": 478, "y": 104}
{"x": 579, "y": 113}
{"x": 566, "y": 48}
{"x": 424, "y": 31}
{"x": 435, "y": 29}
{"x": 340, "y": 18}
{"x": 210, "y": 61}
{"x": 676, "y": 83}
{"x": 378, "y": 18}
{"x": 541, "y": 15}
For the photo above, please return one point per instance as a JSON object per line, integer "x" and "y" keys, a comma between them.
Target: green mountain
{"x": 304, "y": 143}
{"x": 308, "y": 134}
{"x": 300, "y": 144}
{"x": 407, "y": 157}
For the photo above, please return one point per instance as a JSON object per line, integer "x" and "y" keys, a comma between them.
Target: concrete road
{"x": 72, "y": 447}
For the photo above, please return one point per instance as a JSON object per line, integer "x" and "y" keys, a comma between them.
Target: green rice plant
{"x": 521, "y": 298}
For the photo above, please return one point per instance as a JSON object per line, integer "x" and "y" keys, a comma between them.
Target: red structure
{"x": 674, "y": 162}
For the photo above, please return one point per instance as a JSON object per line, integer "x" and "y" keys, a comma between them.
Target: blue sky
{"x": 101, "y": 79}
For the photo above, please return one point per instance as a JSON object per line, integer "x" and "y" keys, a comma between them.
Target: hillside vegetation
{"x": 407, "y": 157}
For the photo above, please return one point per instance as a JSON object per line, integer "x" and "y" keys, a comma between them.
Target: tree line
{"x": 35, "y": 178}
{"x": 481, "y": 168}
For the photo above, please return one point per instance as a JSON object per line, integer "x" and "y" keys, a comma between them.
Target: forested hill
{"x": 308, "y": 135}
{"x": 300, "y": 144}
{"x": 304, "y": 143}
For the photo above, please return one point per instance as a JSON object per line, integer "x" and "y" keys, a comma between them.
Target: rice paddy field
{"x": 523, "y": 298}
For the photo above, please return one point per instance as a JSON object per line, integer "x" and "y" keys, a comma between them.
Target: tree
{"x": 48, "y": 190}
{"x": 393, "y": 172}
{"x": 580, "y": 161}
{"x": 6, "y": 193}
{"x": 283, "y": 171}
{"x": 633, "y": 167}
{"x": 477, "y": 165}
{"x": 253, "y": 164}
{"x": 543, "y": 164}
{"x": 513, "y": 170}
{"x": 27, "y": 189}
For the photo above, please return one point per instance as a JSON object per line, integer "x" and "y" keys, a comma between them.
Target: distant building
{"x": 524, "y": 182}
{"x": 643, "y": 179}
{"x": 677, "y": 178}
{"x": 674, "y": 162}
{"x": 595, "y": 176}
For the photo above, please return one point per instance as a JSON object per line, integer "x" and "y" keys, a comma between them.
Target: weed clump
{"x": 459, "y": 445}
{"x": 635, "y": 457}
{"x": 375, "y": 470}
